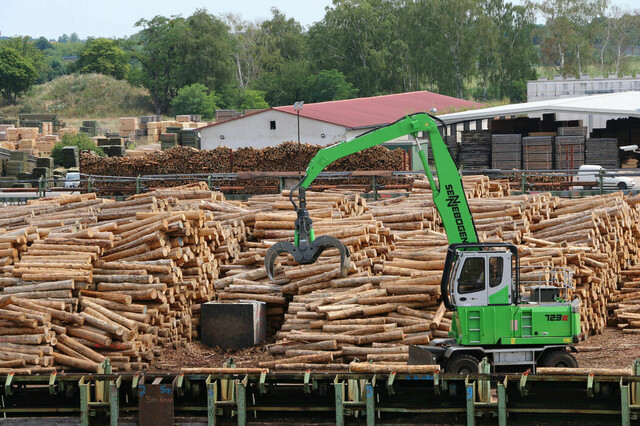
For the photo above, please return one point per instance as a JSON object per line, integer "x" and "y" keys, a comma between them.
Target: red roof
{"x": 378, "y": 110}
{"x": 373, "y": 111}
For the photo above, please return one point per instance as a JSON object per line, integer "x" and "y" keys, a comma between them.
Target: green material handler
{"x": 492, "y": 316}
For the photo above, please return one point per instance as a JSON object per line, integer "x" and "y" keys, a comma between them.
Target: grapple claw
{"x": 307, "y": 253}
{"x": 274, "y": 251}
{"x": 325, "y": 242}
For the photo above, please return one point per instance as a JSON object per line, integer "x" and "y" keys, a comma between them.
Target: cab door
{"x": 470, "y": 287}
{"x": 499, "y": 282}
{"x": 483, "y": 279}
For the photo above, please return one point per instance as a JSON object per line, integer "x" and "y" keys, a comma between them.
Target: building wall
{"x": 543, "y": 89}
{"x": 255, "y": 131}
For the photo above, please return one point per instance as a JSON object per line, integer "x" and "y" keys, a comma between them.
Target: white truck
{"x": 589, "y": 175}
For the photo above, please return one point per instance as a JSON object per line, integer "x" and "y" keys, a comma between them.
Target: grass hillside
{"x": 83, "y": 96}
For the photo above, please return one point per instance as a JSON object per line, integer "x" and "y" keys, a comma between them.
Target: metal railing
{"x": 559, "y": 182}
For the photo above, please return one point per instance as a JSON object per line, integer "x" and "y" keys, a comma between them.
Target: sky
{"x": 116, "y": 18}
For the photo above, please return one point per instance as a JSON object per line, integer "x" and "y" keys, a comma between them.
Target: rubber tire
{"x": 559, "y": 359}
{"x": 462, "y": 364}
{"x": 622, "y": 185}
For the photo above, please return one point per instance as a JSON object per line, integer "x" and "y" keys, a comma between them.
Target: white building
{"x": 324, "y": 123}
{"x": 559, "y": 88}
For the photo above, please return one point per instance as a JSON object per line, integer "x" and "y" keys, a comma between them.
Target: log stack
{"x": 93, "y": 278}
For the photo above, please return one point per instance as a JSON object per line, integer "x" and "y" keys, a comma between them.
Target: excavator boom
{"x": 448, "y": 193}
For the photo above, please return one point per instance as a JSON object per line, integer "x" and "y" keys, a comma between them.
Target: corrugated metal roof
{"x": 622, "y": 104}
{"x": 378, "y": 110}
{"x": 374, "y": 111}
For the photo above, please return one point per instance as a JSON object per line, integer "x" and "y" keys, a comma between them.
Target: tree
{"x": 205, "y": 52}
{"x": 82, "y": 141}
{"x": 286, "y": 85}
{"x": 17, "y": 74}
{"x": 252, "y": 99}
{"x": 245, "y": 52}
{"x": 27, "y": 48}
{"x": 506, "y": 55}
{"x": 330, "y": 86}
{"x": 567, "y": 34}
{"x": 625, "y": 36}
{"x": 102, "y": 56}
{"x": 196, "y": 99}
{"x": 177, "y": 52}
{"x": 42, "y": 44}
{"x": 355, "y": 38}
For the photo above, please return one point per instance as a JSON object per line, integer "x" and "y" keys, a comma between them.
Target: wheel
{"x": 462, "y": 364}
{"x": 558, "y": 359}
{"x": 622, "y": 185}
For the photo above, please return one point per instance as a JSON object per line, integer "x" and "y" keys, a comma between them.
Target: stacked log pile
{"x": 128, "y": 273}
{"x": 84, "y": 279}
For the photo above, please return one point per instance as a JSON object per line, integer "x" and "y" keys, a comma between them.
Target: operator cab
{"x": 480, "y": 274}
{"x": 482, "y": 278}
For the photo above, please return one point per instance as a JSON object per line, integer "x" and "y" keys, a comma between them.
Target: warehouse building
{"x": 559, "y": 88}
{"x": 325, "y": 123}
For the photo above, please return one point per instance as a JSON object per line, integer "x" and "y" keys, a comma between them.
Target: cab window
{"x": 471, "y": 276}
{"x": 495, "y": 271}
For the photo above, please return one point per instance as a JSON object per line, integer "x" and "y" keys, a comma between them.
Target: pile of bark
{"x": 286, "y": 157}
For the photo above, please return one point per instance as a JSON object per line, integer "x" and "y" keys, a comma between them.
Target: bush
{"x": 82, "y": 141}
{"x": 196, "y": 99}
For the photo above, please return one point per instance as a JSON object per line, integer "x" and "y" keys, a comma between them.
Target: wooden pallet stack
{"x": 506, "y": 151}
{"x": 475, "y": 149}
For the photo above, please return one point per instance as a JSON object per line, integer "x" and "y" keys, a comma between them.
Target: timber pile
{"x": 97, "y": 278}
{"x": 286, "y": 157}
{"x": 134, "y": 272}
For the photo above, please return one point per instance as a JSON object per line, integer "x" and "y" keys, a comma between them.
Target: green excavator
{"x": 492, "y": 316}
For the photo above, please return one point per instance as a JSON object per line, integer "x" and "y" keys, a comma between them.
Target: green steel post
{"x": 84, "y": 403}
{"x": 502, "y": 404}
{"x": 624, "y": 404}
{"x": 470, "y": 395}
{"x": 138, "y": 185}
{"x": 212, "y": 399}
{"x": 484, "y": 391}
{"x": 241, "y": 403}
{"x": 374, "y": 183}
{"x": 370, "y": 404}
{"x": 209, "y": 183}
{"x": 339, "y": 391}
{"x": 40, "y": 188}
{"x": 90, "y": 184}
{"x": 636, "y": 372}
{"x": 114, "y": 403}
{"x": 600, "y": 183}
{"x": 524, "y": 183}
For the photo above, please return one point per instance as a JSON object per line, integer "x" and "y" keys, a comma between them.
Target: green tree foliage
{"x": 42, "y": 44}
{"x": 567, "y": 35}
{"x": 17, "y": 74}
{"x": 330, "y": 86}
{"x": 252, "y": 99}
{"x": 196, "y": 99}
{"x": 506, "y": 55}
{"x": 82, "y": 141}
{"x": 102, "y": 56}
{"x": 355, "y": 38}
{"x": 286, "y": 85}
{"x": 177, "y": 52}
